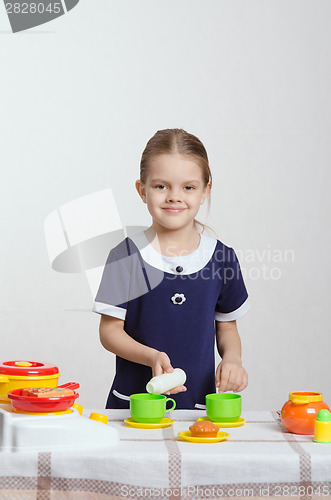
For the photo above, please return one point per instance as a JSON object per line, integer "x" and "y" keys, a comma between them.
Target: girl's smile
{"x": 173, "y": 210}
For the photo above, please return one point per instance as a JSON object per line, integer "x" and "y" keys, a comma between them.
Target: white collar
{"x": 190, "y": 263}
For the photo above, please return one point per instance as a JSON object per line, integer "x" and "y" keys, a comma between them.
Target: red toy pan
{"x": 35, "y": 404}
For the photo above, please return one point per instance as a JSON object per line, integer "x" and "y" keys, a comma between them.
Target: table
{"x": 259, "y": 459}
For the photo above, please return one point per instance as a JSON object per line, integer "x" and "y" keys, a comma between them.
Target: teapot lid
{"x": 305, "y": 397}
{"x": 27, "y": 368}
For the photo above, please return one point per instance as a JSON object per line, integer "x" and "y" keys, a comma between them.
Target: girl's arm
{"x": 114, "y": 338}
{"x": 230, "y": 374}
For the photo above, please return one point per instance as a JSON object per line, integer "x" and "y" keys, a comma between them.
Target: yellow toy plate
{"x": 165, "y": 422}
{"x": 237, "y": 423}
{"x": 186, "y": 436}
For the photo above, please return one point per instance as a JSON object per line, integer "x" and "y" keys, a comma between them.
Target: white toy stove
{"x": 62, "y": 431}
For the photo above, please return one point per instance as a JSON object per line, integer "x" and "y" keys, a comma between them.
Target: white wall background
{"x": 81, "y": 96}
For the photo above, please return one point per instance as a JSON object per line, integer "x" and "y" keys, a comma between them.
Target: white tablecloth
{"x": 259, "y": 459}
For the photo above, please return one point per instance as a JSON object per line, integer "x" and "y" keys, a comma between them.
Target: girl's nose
{"x": 174, "y": 195}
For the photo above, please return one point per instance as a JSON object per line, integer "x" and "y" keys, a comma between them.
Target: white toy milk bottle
{"x": 166, "y": 381}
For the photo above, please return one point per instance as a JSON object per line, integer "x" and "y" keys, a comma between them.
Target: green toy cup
{"x": 149, "y": 408}
{"x": 223, "y": 407}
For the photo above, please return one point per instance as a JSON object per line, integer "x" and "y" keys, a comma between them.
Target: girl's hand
{"x": 161, "y": 364}
{"x": 231, "y": 376}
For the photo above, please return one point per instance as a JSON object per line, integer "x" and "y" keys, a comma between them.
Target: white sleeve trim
{"x": 231, "y": 316}
{"x": 117, "y": 312}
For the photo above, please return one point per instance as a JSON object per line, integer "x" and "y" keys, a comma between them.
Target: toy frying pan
{"x": 35, "y": 404}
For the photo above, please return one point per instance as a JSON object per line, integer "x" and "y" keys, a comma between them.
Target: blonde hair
{"x": 177, "y": 141}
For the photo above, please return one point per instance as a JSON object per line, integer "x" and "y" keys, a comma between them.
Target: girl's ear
{"x": 140, "y": 187}
{"x": 205, "y": 193}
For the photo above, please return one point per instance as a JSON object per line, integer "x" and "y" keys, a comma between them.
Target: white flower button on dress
{"x": 178, "y": 298}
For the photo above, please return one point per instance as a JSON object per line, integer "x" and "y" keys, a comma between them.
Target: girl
{"x": 165, "y": 292}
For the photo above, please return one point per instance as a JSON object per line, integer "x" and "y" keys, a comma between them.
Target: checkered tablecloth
{"x": 259, "y": 459}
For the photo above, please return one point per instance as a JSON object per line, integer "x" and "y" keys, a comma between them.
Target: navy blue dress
{"x": 171, "y": 304}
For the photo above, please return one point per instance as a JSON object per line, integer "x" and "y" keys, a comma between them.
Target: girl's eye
{"x": 162, "y": 186}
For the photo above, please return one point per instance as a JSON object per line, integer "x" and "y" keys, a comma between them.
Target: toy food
{"x": 204, "y": 429}
{"x": 299, "y": 413}
{"x": 46, "y": 392}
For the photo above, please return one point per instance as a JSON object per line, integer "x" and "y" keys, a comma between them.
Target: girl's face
{"x": 174, "y": 190}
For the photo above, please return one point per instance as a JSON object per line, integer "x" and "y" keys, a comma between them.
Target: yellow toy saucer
{"x": 237, "y": 423}
{"x": 165, "y": 422}
{"x": 186, "y": 436}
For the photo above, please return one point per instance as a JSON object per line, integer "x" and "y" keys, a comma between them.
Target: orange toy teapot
{"x": 299, "y": 413}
